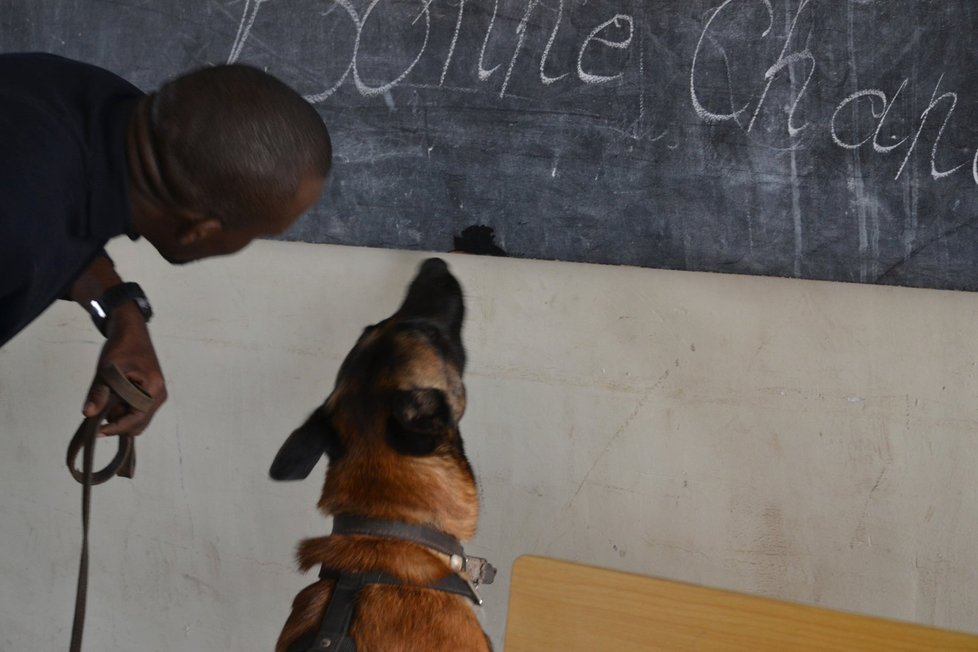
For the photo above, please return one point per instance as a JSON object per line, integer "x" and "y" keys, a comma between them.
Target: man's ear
{"x": 420, "y": 420}
{"x": 302, "y": 450}
{"x": 198, "y": 227}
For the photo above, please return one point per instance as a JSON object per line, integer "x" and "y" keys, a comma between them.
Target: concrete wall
{"x": 808, "y": 441}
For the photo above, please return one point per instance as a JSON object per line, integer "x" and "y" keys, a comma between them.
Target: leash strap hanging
{"x": 124, "y": 464}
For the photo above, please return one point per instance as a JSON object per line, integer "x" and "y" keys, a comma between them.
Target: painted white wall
{"x": 808, "y": 441}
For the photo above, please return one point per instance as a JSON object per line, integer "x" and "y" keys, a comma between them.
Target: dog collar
{"x": 475, "y": 570}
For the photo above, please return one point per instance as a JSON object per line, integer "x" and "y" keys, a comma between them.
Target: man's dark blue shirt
{"x": 64, "y": 188}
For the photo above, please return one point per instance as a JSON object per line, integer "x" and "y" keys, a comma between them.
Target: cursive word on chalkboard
{"x": 616, "y": 32}
{"x": 948, "y": 100}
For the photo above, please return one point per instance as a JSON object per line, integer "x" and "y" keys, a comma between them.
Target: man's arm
{"x": 127, "y": 346}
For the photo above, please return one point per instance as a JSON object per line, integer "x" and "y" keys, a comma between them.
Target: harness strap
{"x": 451, "y": 583}
{"x": 124, "y": 464}
{"x": 335, "y": 627}
{"x": 334, "y": 630}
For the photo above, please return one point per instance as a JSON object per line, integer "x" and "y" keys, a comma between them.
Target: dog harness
{"x": 333, "y": 632}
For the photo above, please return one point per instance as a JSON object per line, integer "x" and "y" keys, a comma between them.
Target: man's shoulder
{"x": 43, "y": 126}
{"x": 31, "y": 120}
{"x": 55, "y": 79}
{"x": 24, "y": 64}
{"x": 48, "y": 100}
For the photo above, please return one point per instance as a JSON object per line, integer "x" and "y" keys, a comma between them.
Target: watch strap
{"x": 101, "y": 308}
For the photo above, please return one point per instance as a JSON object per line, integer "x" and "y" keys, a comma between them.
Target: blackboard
{"x": 821, "y": 139}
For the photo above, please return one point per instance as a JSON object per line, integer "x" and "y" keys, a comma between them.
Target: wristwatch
{"x": 101, "y": 308}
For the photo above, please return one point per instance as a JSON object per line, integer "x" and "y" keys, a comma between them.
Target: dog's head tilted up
{"x": 398, "y": 485}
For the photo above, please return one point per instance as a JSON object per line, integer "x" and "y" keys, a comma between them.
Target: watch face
{"x": 96, "y": 310}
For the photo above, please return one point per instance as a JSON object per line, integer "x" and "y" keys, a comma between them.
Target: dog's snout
{"x": 433, "y": 265}
{"x": 434, "y": 276}
{"x": 434, "y": 294}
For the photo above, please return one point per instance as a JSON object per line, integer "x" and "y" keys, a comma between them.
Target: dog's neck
{"x": 428, "y": 490}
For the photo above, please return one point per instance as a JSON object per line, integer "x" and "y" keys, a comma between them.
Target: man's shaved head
{"x": 236, "y": 143}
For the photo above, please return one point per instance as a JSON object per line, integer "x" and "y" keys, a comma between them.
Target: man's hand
{"x": 129, "y": 348}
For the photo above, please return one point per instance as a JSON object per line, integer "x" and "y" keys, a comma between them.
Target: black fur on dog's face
{"x": 400, "y": 386}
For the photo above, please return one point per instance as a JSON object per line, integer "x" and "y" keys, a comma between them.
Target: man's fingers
{"x": 131, "y": 424}
{"x": 123, "y": 419}
{"x": 152, "y": 385}
{"x": 128, "y": 349}
{"x": 117, "y": 412}
{"x": 98, "y": 396}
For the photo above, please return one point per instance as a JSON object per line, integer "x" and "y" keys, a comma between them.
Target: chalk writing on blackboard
{"x": 618, "y": 32}
{"x": 829, "y": 139}
{"x": 820, "y": 139}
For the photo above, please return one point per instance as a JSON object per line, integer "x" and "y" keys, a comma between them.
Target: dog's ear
{"x": 420, "y": 420}
{"x": 302, "y": 450}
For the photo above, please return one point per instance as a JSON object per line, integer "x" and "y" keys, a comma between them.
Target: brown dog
{"x": 401, "y": 491}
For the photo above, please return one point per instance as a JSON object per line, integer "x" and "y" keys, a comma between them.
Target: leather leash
{"x": 123, "y": 464}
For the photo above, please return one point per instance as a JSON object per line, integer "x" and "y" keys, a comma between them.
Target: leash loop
{"x": 124, "y": 462}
